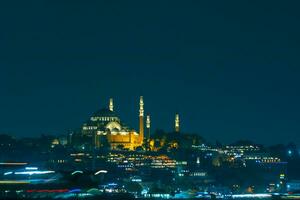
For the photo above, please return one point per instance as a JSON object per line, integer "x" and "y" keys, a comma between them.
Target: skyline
{"x": 229, "y": 73}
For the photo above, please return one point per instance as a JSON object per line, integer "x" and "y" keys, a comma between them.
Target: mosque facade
{"x": 105, "y": 127}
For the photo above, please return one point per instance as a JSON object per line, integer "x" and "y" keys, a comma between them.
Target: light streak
{"x": 101, "y": 171}
{"x": 31, "y": 168}
{"x": 12, "y": 163}
{"x": 251, "y": 195}
{"x": 7, "y": 173}
{"x": 75, "y": 190}
{"x": 13, "y": 182}
{"x": 34, "y": 172}
{"x": 76, "y": 172}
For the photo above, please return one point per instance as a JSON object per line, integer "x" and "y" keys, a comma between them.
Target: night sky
{"x": 230, "y": 68}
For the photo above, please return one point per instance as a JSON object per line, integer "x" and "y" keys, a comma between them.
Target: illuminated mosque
{"x": 105, "y": 127}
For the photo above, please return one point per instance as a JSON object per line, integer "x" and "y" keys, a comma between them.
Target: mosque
{"x": 106, "y": 128}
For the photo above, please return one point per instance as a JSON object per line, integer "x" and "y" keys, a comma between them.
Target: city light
{"x": 13, "y": 182}
{"x": 33, "y": 172}
{"x": 7, "y": 173}
{"x": 31, "y": 168}
{"x": 12, "y": 163}
{"x": 101, "y": 171}
{"x": 251, "y": 196}
{"x": 77, "y": 172}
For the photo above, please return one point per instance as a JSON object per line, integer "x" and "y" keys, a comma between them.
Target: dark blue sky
{"x": 230, "y": 68}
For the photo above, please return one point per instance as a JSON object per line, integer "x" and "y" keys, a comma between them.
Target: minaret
{"x": 141, "y": 118}
{"x": 111, "y": 104}
{"x": 148, "y": 125}
{"x": 198, "y": 160}
{"x": 177, "y": 123}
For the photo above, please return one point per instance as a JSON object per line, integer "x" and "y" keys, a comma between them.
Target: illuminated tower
{"x": 177, "y": 125}
{"x": 111, "y": 104}
{"x": 148, "y": 125}
{"x": 142, "y": 118}
{"x": 198, "y": 160}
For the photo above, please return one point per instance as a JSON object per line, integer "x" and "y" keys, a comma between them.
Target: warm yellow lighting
{"x": 111, "y": 104}
{"x": 141, "y": 106}
{"x": 177, "y": 122}
{"x": 13, "y": 163}
{"x": 148, "y": 121}
{"x": 14, "y": 182}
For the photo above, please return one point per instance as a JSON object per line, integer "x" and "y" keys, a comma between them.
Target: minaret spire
{"x": 177, "y": 123}
{"x": 141, "y": 106}
{"x": 141, "y": 118}
{"x": 148, "y": 125}
{"x": 111, "y": 104}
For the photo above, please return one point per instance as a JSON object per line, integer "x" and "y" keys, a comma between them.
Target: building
{"x": 177, "y": 125}
{"x": 105, "y": 128}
